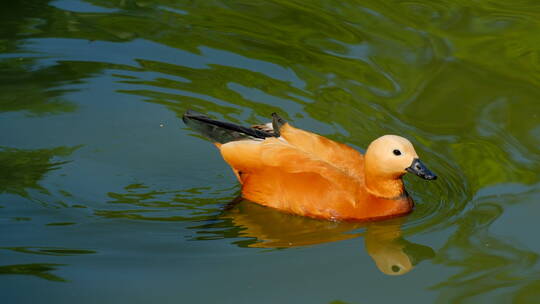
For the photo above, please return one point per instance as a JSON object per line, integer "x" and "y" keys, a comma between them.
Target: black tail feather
{"x": 277, "y": 123}
{"x": 220, "y": 131}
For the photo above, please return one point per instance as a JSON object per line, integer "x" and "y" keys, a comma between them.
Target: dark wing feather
{"x": 220, "y": 131}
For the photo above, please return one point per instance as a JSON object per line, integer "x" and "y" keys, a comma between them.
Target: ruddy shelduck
{"x": 303, "y": 173}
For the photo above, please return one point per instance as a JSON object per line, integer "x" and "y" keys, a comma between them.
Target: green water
{"x": 105, "y": 196}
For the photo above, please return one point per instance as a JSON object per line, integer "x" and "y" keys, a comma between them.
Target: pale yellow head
{"x": 391, "y": 156}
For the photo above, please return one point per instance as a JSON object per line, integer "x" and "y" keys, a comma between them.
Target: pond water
{"x": 106, "y": 197}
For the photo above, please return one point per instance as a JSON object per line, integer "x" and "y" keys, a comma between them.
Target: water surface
{"x": 106, "y": 197}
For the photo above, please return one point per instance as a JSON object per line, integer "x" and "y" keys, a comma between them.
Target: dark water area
{"x": 106, "y": 197}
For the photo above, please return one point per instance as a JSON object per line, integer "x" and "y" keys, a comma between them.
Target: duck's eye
{"x": 397, "y": 152}
{"x": 395, "y": 268}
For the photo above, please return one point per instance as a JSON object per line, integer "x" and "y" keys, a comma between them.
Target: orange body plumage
{"x": 307, "y": 174}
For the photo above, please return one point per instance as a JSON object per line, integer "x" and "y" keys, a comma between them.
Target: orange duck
{"x": 303, "y": 173}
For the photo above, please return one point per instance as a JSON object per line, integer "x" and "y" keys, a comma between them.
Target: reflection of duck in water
{"x": 383, "y": 240}
{"x": 306, "y": 174}
{"x": 392, "y": 254}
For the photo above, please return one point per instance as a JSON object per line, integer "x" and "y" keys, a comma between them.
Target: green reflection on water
{"x": 49, "y": 251}
{"x": 487, "y": 262}
{"x": 29, "y": 91}
{"x": 182, "y": 205}
{"x": 21, "y": 170}
{"x": 38, "y": 270}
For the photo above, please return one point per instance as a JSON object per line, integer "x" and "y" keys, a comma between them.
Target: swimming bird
{"x": 303, "y": 173}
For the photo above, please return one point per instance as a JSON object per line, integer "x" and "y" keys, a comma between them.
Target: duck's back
{"x": 341, "y": 156}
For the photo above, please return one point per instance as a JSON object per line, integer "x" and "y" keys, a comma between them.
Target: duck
{"x": 306, "y": 174}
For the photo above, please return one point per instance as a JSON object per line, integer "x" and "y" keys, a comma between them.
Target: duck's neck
{"x": 383, "y": 186}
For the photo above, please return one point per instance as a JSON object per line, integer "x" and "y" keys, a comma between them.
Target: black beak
{"x": 418, "y": 168}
